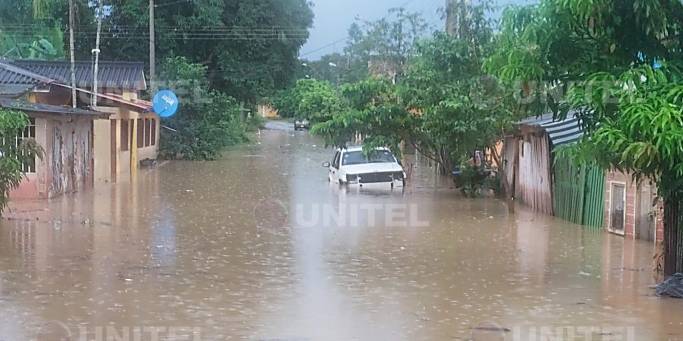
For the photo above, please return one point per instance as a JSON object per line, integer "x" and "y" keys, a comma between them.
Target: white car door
{"x": 334, "y": 167}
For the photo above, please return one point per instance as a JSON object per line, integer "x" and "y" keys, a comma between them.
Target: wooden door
{"x": 645, "y": 223}
{"x": 617, "y": 208}
{"x": 113, "y": 134}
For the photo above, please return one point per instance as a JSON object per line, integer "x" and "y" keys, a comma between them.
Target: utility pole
{"x": 458, "y": 17}
{"x": 450, "y": 17}
{"x": 72, "y": 50}
{"x": 96, "y": 51}
{"x": 152, "y": 58}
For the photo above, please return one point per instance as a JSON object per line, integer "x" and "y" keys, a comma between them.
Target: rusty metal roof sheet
{"x": 14, "y": 90}
{"x": 33, "y": 79}
{"x": 111, "y": 75}
{"x": 561, "y": 132}
{"x": 22, "y": 105}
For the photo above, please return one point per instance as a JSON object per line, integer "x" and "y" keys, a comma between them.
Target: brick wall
{"x": 660, "y": 221}
{"x": 614, "y": 177}
{"x": 633, "y": 193}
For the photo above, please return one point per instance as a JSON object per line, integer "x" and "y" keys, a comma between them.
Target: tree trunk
{"x": 673, "y": 236}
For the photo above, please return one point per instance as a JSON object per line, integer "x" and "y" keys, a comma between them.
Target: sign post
{"x": 165, "y": 103}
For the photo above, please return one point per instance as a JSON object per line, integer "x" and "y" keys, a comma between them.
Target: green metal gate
{"x": 578, "y": 192}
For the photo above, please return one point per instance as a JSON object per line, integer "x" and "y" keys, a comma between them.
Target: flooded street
{"x": 259, "y": 246}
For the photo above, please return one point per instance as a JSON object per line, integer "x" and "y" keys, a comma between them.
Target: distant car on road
{"x": 351, "y": 167}
{"x": 302, "y": 124}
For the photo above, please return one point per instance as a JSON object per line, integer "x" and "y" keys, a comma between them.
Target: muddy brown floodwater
{"x": 259, "y": 246}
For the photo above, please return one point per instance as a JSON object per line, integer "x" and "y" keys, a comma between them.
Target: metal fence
{"x": 579, "y": 192}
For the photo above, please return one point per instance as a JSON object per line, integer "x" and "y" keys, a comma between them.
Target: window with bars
{"x": 125, "y": 143}
{"x": 148, "y": 132}
{"x": 141, "y": 133}
{"x": 153, "y": 133}
{"x": 29, "y": 165}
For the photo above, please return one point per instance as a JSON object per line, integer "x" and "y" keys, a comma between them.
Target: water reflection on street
{"x": 248, "y": 248}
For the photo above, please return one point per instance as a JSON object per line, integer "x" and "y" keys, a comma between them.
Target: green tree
{"x": 207, "y": 120}
{"x": 460, "y": 105}
{"x": 544, "y": 48}
{"x": 312, "y": 99}
{"x": 372, "y": 112}
{"x": 603, "y": 53}
{"x": 320, "y": 102}
{"x": 26, "y": 32}
{"x": 443, "y": 105}
{"x": 641, "y": 132}
{"x": 13, "y": 155}
{"x": 250, "y": 48}
{"x": 384, "y": 46}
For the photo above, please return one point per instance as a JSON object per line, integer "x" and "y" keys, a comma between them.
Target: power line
{"x": 173, "y": 3}
{"x": 227, "y": 38}
{"x": 170, "y": 29}
{"x": 408, "y": 2}
{"x": 323, "y": 47}
{"x": 189, "y": 34}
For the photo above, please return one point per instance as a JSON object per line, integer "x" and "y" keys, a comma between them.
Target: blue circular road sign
{"x": 165, "y": 103}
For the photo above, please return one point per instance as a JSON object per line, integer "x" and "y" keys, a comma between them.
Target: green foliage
{"x": 334, "y": 68}
{"x": 207, "y": 120}
{"x": 643, "y": 133}
{"x": 461, "y": 107}
{"x": 12, "y": 156}
{"x": 472, "y": 180}
{"x": 373, "y": 112}
{"x": 25, "y": 32}
{"x": 250, "y": 48}
{"x": 443, "y": 105}
{"x": 312, "y": 99}
{"x": 321, "y": 103}
{"x": 600, "y": 53}
{"x": 385, "y": 44}
{"x": 542, "y": 49}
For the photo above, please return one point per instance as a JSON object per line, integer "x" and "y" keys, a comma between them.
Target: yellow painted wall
{"x": 126, "y": 161}
{"x": 102, "y": 150}
{"x": 267, "y": 111}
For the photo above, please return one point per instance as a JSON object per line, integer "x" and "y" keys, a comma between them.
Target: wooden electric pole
{"x": 72, "y": 49}
{"x": 450, "y": 17}
{"x": 96, "y": 51}
{"x": 152, "y": 58}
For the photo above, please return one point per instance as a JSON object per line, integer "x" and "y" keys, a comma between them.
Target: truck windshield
{"x": 357, "y": 158}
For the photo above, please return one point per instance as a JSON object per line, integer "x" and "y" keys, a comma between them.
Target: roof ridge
{"x": 23, "y": 72}
{"x": 38, "y": 61}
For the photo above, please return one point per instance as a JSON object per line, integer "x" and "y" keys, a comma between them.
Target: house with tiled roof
{"x": 89, "y": 144}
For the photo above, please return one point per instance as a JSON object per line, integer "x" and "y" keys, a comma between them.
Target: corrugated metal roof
{"x": 14, "y": 90}
{"x": 560, "y": 132}
{"x": 111, "y": 75}
{"x": 9, "y": 77}
{"x": 32, "y": 79}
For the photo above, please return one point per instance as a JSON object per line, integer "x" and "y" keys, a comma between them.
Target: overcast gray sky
{"x": 333, "y": 18}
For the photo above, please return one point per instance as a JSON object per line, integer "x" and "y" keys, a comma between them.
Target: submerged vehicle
{"x": 351, "y": 166}
{"x": 302, "y": 124}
